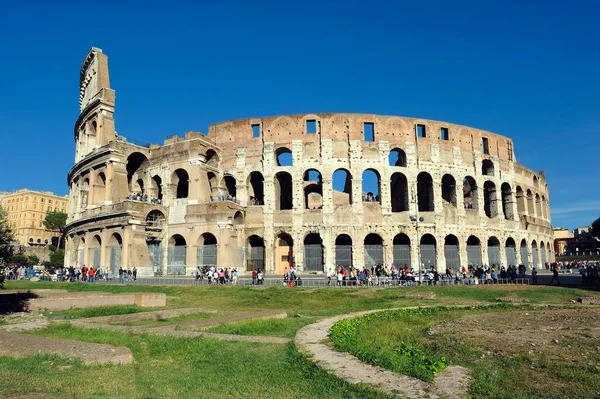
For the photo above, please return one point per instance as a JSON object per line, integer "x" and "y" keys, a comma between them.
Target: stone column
{"x": 109, "y": 180}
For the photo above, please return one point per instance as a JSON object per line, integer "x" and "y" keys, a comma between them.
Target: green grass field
{"x": 166, "y": 367}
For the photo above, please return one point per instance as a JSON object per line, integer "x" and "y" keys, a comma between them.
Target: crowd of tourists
{"x": 220, "y": 276}
{"x": 144, "y": 198}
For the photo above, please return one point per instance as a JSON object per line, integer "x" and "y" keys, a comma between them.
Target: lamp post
{"x": 416, "y": 219}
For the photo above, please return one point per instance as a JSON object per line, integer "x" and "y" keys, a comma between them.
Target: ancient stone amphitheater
{"x": 312, "y": 191}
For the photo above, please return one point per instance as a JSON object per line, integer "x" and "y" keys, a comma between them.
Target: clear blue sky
{"x": 522, "y": 69}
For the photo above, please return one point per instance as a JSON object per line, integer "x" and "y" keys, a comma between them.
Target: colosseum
{"x": 310, "y": 190}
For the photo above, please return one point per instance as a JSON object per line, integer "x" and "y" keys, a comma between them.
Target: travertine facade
{"x": 271, "y": 192}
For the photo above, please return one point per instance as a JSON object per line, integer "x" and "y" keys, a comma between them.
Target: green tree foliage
{"x": 33, "y": 260}
{"x": 57, "y": 259}
{"x": 19, "y": 259}
{"x": 596, "y": 228}
{"x": 5, "y": 237}
{"x": 56, "y": 221}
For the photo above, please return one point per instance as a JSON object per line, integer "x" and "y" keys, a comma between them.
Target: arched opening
{"x": 116, "y": 247}
{"x": 425, "y": 192}
{"x": 534, "y": 253}
{"x": 490, "y": 199}
{"x": 84, "y": 191}
{"x": 544, "y": 207}
{"x": 212, "y": 185}
{"x": 100, "y": 188}
{"x": 373, "y": 250}
{"x": 494, "y": 252}
{"x": 313, "y": 253}
{"x": 343, "y": 250}
{"x": 283, "y": 191}
{"x": 507, "y": 201}
{"x": 284, "y": 157}
{"x": 156, "y": 193}
{"x": 96, "y": 251}
{"x": 451, "y": 252}
{"x": 181, "y": 181}
{"x": 402, "y": 251}
{"x": 256, "y": 188}
{"x": 342, "y": 187}
{"x": 399, "y": 192}
{"x": 470, "y": 196}
{"x": 521, "y": 201}
{"x": 136, "y": 162}
{"x": 155, "y": 220}
{"x": 538, "y": 206}
{"x": 255, "y": 253}
{"x": 474, "y": 251}
{"x": 139, "y": 186}
{"x": 238, "y": 219}
{"x": 397, "y": 157}
{"x": 530, "y": 203}
{"x": 428, "y": 246}
{"x": 284, "y": 253}
{"x": 487, "y": 167}
{"x": 80, "y": 252}
{"x": 524, "y": 253}
{"x": 543, "y": 253}
{"x": 535, "y": 182}
{"x": 510, "y": 251}
{"x": 206, "y": 252}
{"x": 313, "y": 189}
{"x": 371, "y": 186}
{"x": 212, "y": 159}
{"x": 449, "y": 190}
{"x": 177, "y": 254}
{"x": 231, "y": 187}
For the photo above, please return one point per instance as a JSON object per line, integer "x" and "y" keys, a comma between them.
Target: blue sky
{"x": 521, "y": 69}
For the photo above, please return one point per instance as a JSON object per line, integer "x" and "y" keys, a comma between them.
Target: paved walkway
{"x": 452, "y": 382}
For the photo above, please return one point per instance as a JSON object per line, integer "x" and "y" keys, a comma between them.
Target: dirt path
{"x": 453, "y": 382}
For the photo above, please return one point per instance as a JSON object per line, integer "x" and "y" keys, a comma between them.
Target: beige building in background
{"x": 27, "y": 210}
{"x": 274, "y": 192}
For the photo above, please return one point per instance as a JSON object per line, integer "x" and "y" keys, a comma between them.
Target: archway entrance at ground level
{"x": 474, "y": 251}
{"x": 373, "y": 250}
{"x": 428, "y": 251}
{"x": 524, "y": 253}
{"x": 343, "y": 250}
{"x": 313, "y": 253}
{"x": 401, "y": 251}
{"x": 255, "y": 253}
{"x": 509, "y": 249}
{"x": 451, "y": 252}
{"x": 284, "y": 253}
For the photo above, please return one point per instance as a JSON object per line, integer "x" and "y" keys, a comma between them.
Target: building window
{"x": 510, "y": 150}
{"x": 444, "y": 134}
{"x": 255, "y": 131}
{"x": 369, "y": 131}
{"x": 311, "y": 126}
{"x": 421, "y": 132}
{"x": 485, "y": 146}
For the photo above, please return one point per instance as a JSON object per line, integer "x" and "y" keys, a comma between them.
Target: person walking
{"x": 534, "y": 275}
{"x": 555, "y": 275}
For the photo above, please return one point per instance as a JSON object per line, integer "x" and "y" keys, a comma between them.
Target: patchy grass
{"x": 97, "y": 311}
{"x": 167, "y": 321}
{"x": 165, "y": 367}
{"x": 285, "y": 328}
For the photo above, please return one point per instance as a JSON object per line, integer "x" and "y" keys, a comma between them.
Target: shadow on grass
{"x": 15, "y": 302}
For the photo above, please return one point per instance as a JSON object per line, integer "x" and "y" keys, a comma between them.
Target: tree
{"x": 596, "y": 228}
{"x": 56, "y": 221}
{"x": 57, "y": 259}
{"x": 6, "y": 237}
{"x": 19, "y": 259}
{"x": 33, "y": 260}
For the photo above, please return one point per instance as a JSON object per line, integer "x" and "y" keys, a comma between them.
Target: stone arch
{"x": 401, "y": 251}
{"x": 425, "y": 192}
{"x": 524, "y": 252}
{"x": 181, "y": 183}
{"x": 313, "y": 252}
{"x": 494, "y": 259}
{"x": 535, "y": 254}
{"x": 452, "y": 252}
{"x": 470, "y": 193}
{"x": 543, "y": 253}
{"x": 256, "y": 188}
{"x": 284, "y": 157}
{"x": 449, "y": 189}
{"x": 136, "y": 163}
{"x": 487, "y": 167}
{"x": 535, "y": 182}
{"x": 313, "y": 189}
{"x": 206, "y": 251}
{"x": 212, "y": 181}
{"x": 138, "y": 187}
{"x": 342, "y": 187}
{"x": 116, "y": 247}
{"x": 530, "y": 203}
{"x": 156, "y": 188}
{"x": 255, "y": 253}
{"x": 343, "y": 250}
{"x": 490, "y": 199}
{"x": 474, "y": 251}
{"x": 155, "y": 219}
{"x": 510, "y": 248}
{"x": 230, "y": 185}
{"x": 371, "y": 185}
{"x": 521, "y": 201}
{"x": 399, "y": 192}
{"x": 238, "y": 219}
{"x": 373, "y": 245}
{"x": 84, "y": 192}
{"x": 397, "y": 157}
{"x": 177, "y": 252}
{"x": 212, "y": 158}
{"x": 428, "y": 248}
{"x": 538, "y": 206}
{"x": 284, "y": 252}
{"x": 100, "y": 188}
{"x": 283, "y": 191}
{"x": 507, "y": 201}
{"x": 96, "y": 247}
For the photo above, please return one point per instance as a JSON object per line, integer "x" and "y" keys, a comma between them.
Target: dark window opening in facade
{"x": 342, "y": 187}
{"x": 156, "y": 188}
{"x": 207, "y": 250}
{"x": 397, "y": 157}
{"x": 507, "y": 201}
{"x": 487, "y": 167}
{"x": 510, "y": 249}
{"x": 485, "y": 146}
{"x": 181, "y": 178}
{"x": 136, "y": 163}
{"x": 401, "y": 251}
{"x": 255, "y": 254}
{"x": 470, "y": 193}
{"x": 425, "y": 192}
{"x": 428, "y": 247}
{"x": 373, "y": 250}
{"x": 155, "y": 220}
{"x": 371, "y": 186}
{"x": 231, "y": 186}
{"x": 343, "y": 250}
{"x": 444, "y": 135}
{"x": 284, "y": 157}
{"x": 256, "y": 189}
{"x": 212, "y": 159}
{"x": 283, "y": 191}
{"x": 255, "y": 131}
{"x": 509, "y": 147}
{"x": 449, "y": 190}
{"x": 490, "y": 199}
{"x": 421, "y": 131}
{"x": 494, "y": 252}
{"x": 474, "y": 251}
{"x": 311, "y": 126}
{"x": 451, "y": 252}
{"x": 238, "y": 219}
{"x": 313, "y": 189}
{"x": 369, "y": 131}
{"x": 313, "y": 253}
{"x": 399, "y": 192}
